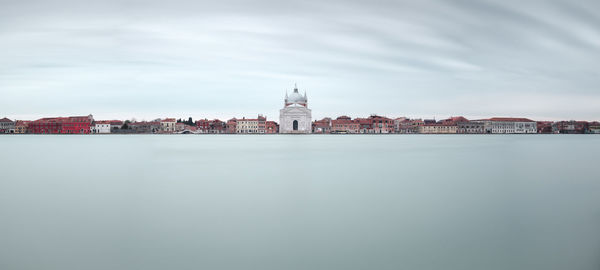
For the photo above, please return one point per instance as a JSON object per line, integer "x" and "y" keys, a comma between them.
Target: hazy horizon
{"x": 425, "y": 59}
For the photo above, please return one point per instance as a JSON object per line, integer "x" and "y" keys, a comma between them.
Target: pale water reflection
{"x": 300, "y": 202}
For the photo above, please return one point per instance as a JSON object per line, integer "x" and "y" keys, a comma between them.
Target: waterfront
{"x": 300, "y": 202}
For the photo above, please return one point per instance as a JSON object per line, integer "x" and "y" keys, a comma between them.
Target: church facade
{"x": 295, "y": 117}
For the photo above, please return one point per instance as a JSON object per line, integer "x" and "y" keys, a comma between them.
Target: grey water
{"x": 300, "y": 202}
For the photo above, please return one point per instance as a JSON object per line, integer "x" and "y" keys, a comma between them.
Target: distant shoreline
{"x": 290, "y": 134}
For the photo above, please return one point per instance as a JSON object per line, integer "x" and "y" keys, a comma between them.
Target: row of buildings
{"x": 452, "y": 125}
{"x": 373, "y": 124}
{"x": 296, "y": 117}
{"x": 87, "y": 125}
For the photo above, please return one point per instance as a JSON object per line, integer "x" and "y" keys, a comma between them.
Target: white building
{"x": 101, "y": 127}
{"x": 505, "y": 125}
{"x": 7, "y": 125}
{"x": 251, "y": 126}
{"x": 295, "y": 117}
{"x": 168, "y": 125}
{"x": 397, "y": 123}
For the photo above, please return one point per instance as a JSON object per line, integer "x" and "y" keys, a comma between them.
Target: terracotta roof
{"x": 64, "y": 119}
{"x": 144, "y": 123}
{"x": 22, "y": 122}
{"x": 509, "y": 119}
{"x": 446, "y": 124}
{"x": 5, "y": 120}
{"x": 456, "y": 119}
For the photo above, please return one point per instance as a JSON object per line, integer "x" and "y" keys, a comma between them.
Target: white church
{"x": 295, "y": 117}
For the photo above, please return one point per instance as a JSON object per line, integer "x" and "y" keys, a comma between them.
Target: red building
{"x": 322, "y": 126}
{"x": 454, "y": 120}
{"x": 381, "y": 124}
{"x": 271, "y": 127}
{"x": 364, "y": 125}
{"x": 376, "y": 124}
{"x": 215, "y": 126}
{"x": 544, "y": 127}
{"x": 62, "y": 125}
{"x": 77, "y": 124}
{"x": 571, "y": 127}
{"x": 231, "y": 126}
{"x": 45, "y": 126}
{"x": 344, "y": 124}
{"x": 203, "y": 125}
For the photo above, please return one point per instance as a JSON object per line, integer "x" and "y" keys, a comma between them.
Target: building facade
{"x": 231, "y": 126}
{"x": 22, "y": 127}
{"x": 594, "y": 128}
{"x": 570, "y": 127}
{"x": 381, "y": 124}
{"x": 217, "y": 126}
{"x": 438, "y": 128}
{"x": 115, "y": 125}
{"x": 322, "y": 126}
{"x": 101, "y": 127}
{"x": 203, "y": 125}
{"x": 508, "y": 125}
{"x": 168, "y": 125}
{"x": 77, "y": 124}
{"x": 409, "y": 126}
{"x": 145, "y": 127}
{"x": 45, "y": 126}
{"x": 545, "y": 127}
{"x": 397, "y": 123}
{"x": 251, "y": 126}
{"x": 271, "y": 127}
{"x": 295, "y": 117}
{"x": 345, "y": 124}
{"x": 471, "y": 127}
{"x": 62, "y": 125}
{"x": 7, "y": 125}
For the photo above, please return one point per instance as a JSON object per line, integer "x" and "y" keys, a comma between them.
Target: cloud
{"x": 236, "y": 58}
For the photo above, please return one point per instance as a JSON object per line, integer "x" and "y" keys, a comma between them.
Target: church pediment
{"x": 296, "y": 110}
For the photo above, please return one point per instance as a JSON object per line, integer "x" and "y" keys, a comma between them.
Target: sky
{"x": 236, "y": 58}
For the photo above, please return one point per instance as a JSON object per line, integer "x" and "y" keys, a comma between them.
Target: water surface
{"x": 300, "y": 202}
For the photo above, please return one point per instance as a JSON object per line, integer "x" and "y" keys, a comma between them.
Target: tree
{"x": 126, "y": 124}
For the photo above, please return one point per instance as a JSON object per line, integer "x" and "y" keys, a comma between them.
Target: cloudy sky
{"x": 147, "y": 59}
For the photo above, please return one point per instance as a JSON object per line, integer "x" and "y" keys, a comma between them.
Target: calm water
{"x": 300, "y": 202}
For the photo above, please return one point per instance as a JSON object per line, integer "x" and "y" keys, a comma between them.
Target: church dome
{"x": 295, "y": 97}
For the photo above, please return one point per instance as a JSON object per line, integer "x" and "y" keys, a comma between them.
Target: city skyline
{"x": 431, "y": 59}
